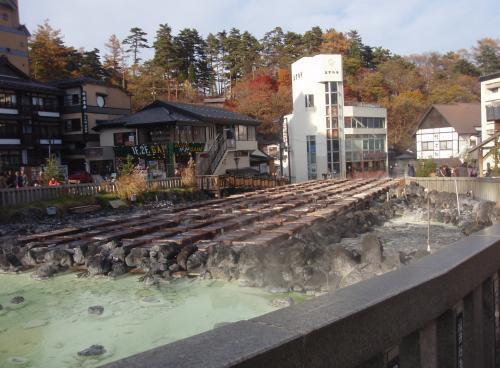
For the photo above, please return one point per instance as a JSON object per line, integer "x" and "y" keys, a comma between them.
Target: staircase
{"x": 216, "y": 153}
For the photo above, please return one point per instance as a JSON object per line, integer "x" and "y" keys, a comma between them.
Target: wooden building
{"x": 165, "y": 135}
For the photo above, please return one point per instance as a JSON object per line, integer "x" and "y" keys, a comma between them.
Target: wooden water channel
{"x": 258, "y": 218}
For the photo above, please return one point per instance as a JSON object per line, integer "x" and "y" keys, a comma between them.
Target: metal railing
{"x": 486, "y": 189}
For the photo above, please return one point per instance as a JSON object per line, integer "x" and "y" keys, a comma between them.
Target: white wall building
{"x": 317, "y": 139}
{"x": 490, "y": 116}
{"x": 447, "y": 132}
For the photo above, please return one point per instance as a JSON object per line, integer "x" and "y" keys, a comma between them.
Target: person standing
{"x": 19, "y": 180}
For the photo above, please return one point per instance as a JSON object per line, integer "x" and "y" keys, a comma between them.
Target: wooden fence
{"x": 14, "y": 197}
{"x": 487, "y": 189}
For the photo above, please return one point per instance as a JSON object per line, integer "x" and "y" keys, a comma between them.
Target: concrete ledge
{"x": 344, "y": 328}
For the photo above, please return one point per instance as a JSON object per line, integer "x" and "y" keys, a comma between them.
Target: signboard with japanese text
{"x": 150, "y": 151}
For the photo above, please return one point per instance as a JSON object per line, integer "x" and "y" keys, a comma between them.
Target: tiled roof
{"x": 162, "y": 112}
{"x": 464, "y": 117}
{"x": 212, "y": 114}
{"x": 8, "y": 82}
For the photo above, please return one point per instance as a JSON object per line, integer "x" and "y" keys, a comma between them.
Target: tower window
{"x": 309, "y": 100}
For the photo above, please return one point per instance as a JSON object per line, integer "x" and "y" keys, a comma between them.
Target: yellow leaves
{"x": 334, "y": 42}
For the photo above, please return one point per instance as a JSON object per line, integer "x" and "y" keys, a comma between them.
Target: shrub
{"x": 188, "y": 175}
{"x": 131, "y": 180}
{"x": 51, "y": 170}
{"x": 425, "y": 167}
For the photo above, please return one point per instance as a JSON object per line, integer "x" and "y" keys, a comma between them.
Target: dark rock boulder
{"x": 184, "y": 254}
{"x": 371, "y": 249}
{"x": 196, "y": 260}
{"x": 164, "y": 252}
{"x": 79, "y": 254}
{"x": 96, "y": 310}
{"x": 17, "y": 300}
{"x": 45, "y": 271}
{"x": 10, "y": 263}
{"x": 93, "y": 350}
{"x": 98, "y": 265}
{"x": 60, "y": 257}
{"x": 136, "y": 257}
{"x": 118, "y": 269}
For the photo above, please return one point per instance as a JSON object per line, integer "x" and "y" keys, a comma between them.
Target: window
{"x": 28, "y": 127}
{"x": 124, "y": 139}
{"x": 251, "y": 133}
{"x": 311, "y": 157}
{"x": 8, "y": 100}
{"x": 446, "y": 145}
{"x": 44, "y": 103}
{"x": 241, "y": 133}
{"x": 49, "y": 131}
{"x": 184, "y": 134}
{"x": 348, "y": 122}
{"x": 101, "y": 100}
{"x": 199, "y": 134}
{"x": 309, "y": 100}
{"x": 73, "y": 125}
{"x": 9, "y": 129}
{"x": 427, "y": 146}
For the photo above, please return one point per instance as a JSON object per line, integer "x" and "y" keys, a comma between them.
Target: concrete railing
{"x": 438, "y": 312}
{"x": 487, "y": 189}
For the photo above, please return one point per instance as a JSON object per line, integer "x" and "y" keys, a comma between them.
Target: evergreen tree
{"x": 273, "y": 45}
{"x": 91, "y": 65}
{"x": 136, "y": 40}
{"x": 214, "y": 64}
{"x": 48, "y": 54}
{"x": 487, "y": 55}
{"x": 164, "y": 48}
{"x": 312, "y": 41}
{"x": 73, "y": 62}
{"x": 190, "y": 51}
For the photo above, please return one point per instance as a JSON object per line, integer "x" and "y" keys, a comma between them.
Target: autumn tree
{"x": 114, "y": 60}
{"x": 334, "y": 42}
{"x": 48, "y": 54}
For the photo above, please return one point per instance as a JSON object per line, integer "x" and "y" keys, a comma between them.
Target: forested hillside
{"x": 255, "y": 74}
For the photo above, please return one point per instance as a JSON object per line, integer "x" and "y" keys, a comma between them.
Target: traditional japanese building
{"x": 325, "y": 138}
{"x": 165, "y": 135}
{"x": 30, "y": 119}
{"x": 86, "y": 103}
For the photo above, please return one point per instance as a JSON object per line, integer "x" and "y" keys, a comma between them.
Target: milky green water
{"x": 54, "y": 324}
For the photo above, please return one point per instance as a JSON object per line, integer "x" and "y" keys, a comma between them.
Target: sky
{"x": 403, "y": 26}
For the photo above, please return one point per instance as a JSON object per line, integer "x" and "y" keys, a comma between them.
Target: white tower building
{"x": 319, "y": 142}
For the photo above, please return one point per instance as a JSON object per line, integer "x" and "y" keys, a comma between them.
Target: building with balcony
{"x": 30, "y": 119}
{"x": 490, "y": 121}
{"x": 445, "y": 133}
{"x": 13, "y": 35}
{"x": 165, "y": 135}
{"x": 322, "y": 136}
{"x": 86, "y": 103}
